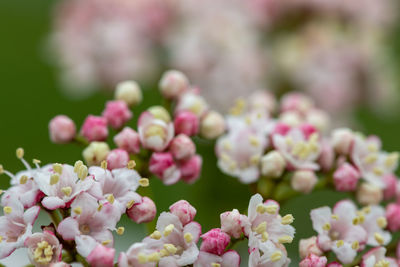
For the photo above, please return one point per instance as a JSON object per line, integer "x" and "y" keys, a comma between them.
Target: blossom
{"x": 173, "y": 83}
{"x": 373, "y": 220}
{"x": 377, "y": 256}
{"x": 309, "y": 246}
{"x": 16, "y": 225}
{"x": 314, "y": 261}
{"x": 342, "y": 140}
{"x": 128, "y": 139}
{"x": 142, "y": 212}
{"x": 186, "y": 122}
{"x": 117, "y": 158}
{"x": 164, "y": 167}
{"x": 117, "y": 113}
{"x": 43, "y": 249}
{"x": 269, "y": 254}
{"x": 193, "y": 102}
{"x": 95, "y": 153}
{"x": 184, "y": 211}
{"x": 62, "y": 129}
{"x": 346, "y": 177}
{"x": 190, "y": 169}
{"x": 143, "y": 254}
{"x": 234, "y": 223}
{"x": 129, "y": 92}
{"x": 273, "y": 164}
{"x": 94, "y": 128}
{"x": 212, "y": 125}
{"x": 304, "y": 181}
{"x": 101, "y": 256}
{"x": 215, "y": 241}
{"x": 182, "y": 147}
{"x": 393, "y": 216}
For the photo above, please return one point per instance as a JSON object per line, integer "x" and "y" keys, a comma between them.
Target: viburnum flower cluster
{"x": 279, "y": 149}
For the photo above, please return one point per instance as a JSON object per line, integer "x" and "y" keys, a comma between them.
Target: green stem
{"x": 233, "y": 243}
{"x": 80, "y": 140}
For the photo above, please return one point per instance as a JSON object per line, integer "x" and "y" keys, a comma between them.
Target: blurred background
{"x": 66, "y": 57}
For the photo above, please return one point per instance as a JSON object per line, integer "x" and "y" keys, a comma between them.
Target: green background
{"x": 30, "y": 96}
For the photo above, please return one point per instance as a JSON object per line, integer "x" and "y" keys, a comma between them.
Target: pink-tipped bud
{"x": 184, "y": 211}
{"x": 129, "y": 140}
{"x": 117, "y": 159}
{"x": 390, "y": 181}
{"x": 173, "y": 83}
{"x": 143, "y": 212}
{"x": 326, "y": 157}
{"x": 304, "y": 181}
{"x": 162, "y": 164}
{"x": 215, "y": 241}
{"x": 182, "y": 147}
{"x": 346, "y": 178}
{"x": 190, "y": 169}
{"x": 129, "y": 92}
{"x": 233, "y": 223}
{"x": 309, "y": 246}
{"x": 101, "y": 256}
{"x": 393, "y": 217}
{"x": 95, "y": 128}
{"x": 117, "y": 113}
{"x": 296, "y": 102}
{"x": 62, "y": 129}
{"x": 342, "y": 140}
{"x": 186, "y": 122}
{"x": 314, "y": 261}
{"x": 369, "y": 194}
{"x": 212, "y": 125}
{"x": 273, "y": 164}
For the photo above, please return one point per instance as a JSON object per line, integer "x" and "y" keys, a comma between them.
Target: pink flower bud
{"x": 304, "y": 181}
{"x": 186, "y": 122}
{"x": 184, "y": 211}
{"x": 393, "y": 217}
{"x": 314, "y": 261}
{"x": 346, "y": 177}
{"x": 342, "y": 140}
{"x": 173, "y": 83}
{"x": 212, "y": 125}
{"x": 296, "y": 102}
{"x": 273, "y": 164}
{"x": 95, "y": 128}
{"x": 163, "y": 166}
{"x": 182, "y": 147}
{"x": 190, "y": 169}
{"x": 128, "y": 139}
{"x": 326, "y": 157}
{"x": 47, "y": 241}
{"x": 95, "y": 153}
{"x": 101, "y": 256}
{"x": 215, "y": 241}
{"x": 117, "y": 159}
{"x": 129, "y": 92}
{"x": 117, "y": 113}
{"x": 369, "y": 194}
{"x": 154, "y": 132}
{"x": 390, "y": 181}
{"x": 309, "y": 246}
{"x": 143, "y": 212}
{"x": 233, "y": 223}
{"x": 62, "y": 129}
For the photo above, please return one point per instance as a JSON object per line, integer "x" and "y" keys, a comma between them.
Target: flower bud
{"x": 62, "y": 129}
{"x": 346, "y": 177}
{"x": 326, "y": 157}
{"x": 186, "y": 122}
{"x": 155, "y": 134}
{"x": 190, "y": 169}
{"x": 117, "y": 113}
{"x": 273, "y": 164}
{"x": 160, "y": 113}
{"x": 313, "y": 261}
{"x": 193, "y": 102}
{"x": 390, "y": 181}
{"x": 309, "y": 246}
{"x": 95, "y": 153}
{"x": 233, "y": 223}
{"x": 369, "y": 194}
{"x": 393, "y": 217}
{"x": 212, "y": 125}
{"x": 101, "y": 256}
{"x": 129, "y": 92}
{"x": 342, "y": 140}
{"x": 128, "y": 139}
{"x": 143, "y": 212}
{"x": 262, "y": 100}
{"x": 117, "y": 159}
{"x": 95, "y": 128}
{"x": 318, "y": 118}
{"x": 173, "y": 83}
{"x": 215, "y": 241}
{"x": 164, "y": 167}
{"x": 304, "y": 181}
{"x": 182, "y": 147}
{"x": 184, "y": 211}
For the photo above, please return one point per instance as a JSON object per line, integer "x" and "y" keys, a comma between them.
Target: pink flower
{"x": 146, "y": 248}
{"x": 269, "y": 254}
{"x": 327, "y": 156}
{"x": 117, "y": 158}
{"x": 16, "y": 225}
{"x": 117, "y": 113}
{"x": 373, "y": 220}
{"x": 346, "y": 177}
{"x": 304, "y": 181}
{"x": 190, "y": 169}
{"x": 101, "y": 256}
{"x": 128, "y": 139}
{"x": 234, "y": 223}
{"x": 337, "y": 232}
{"x": 342, "y": 140}
{"x": 142, "y": 212}
{"x": 43, "y": 249}
{"x": 186, "y": 122}
{"x": 94, "y": 128}
{"x": 173, "y": 83}
{"x": 164, "y": 167}
{"x": 229, "y": 259}
{"x": 377, "y": 255}
{"x": 155, "y": 134}
{"x": 184, "y": 211}
{"x": 309, "y": 246}
{"x": 62, "y": 129}
{"x": 314, "y": 261}
{"x": 215, "y": 241}
{"x": 393, "y": 217}
{"x": 193, "y": 102}
{"x": 182, "y": 147}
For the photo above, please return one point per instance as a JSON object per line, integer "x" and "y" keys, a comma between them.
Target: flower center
{"x": 85, "y": 229}
{"x": 43, "y": 252}
{"x": 155, "y": 130}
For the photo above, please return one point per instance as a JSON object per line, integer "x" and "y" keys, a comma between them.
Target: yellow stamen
{"x": 23, "y": 179}
{"x": 82, "y": 172}
{"x": 156, "y": 235}
{"x": 264, "y": 237}
{"x": 106, "y": 242}
{"x": 188, "y": 237}
{"x": 36, "y": 161}
{"x": 20, "y": 153}
{"x": 214, "y": 264}
{"x": 154, "y": 257}
{"x": 168, "y": 229}
{"x": 110, "y": 198}
{"x": 131, "y": 164}
{"x": 57, "y": 168}
{"x": 130, "y": 204}
{"x": 7, "y": 209}
{"x": 326, "y": 226}
{"x": 142, "y": 258}
{"x": 78, "y": 210}
{"x": 276, "y": 256}
{"x": 170, "y": 248}
{"x": 335, "y": 217}
{"x": 144, "y": 182}
{"x": 382, "y": 222}
{"x": 355, "y": 245}
{"x": 261, "y": 208}
{"x": 77, "y": 165}
{"x": 66, "y": 190}
{"x": 339, "y": 243}
{"x": 261, "y": 228}
{"x": 287, "y": 219}
{"x": 285, "y": 239}
{"x": 104, "y": 164}
{"x": 379, "y": 238}
{"x": 120, "y": 230}
{"x": 100, "y": 207}
{"x": 1, "y": 169}
{"x": 271, "y": 209}
{"x": 54, "y": 178}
